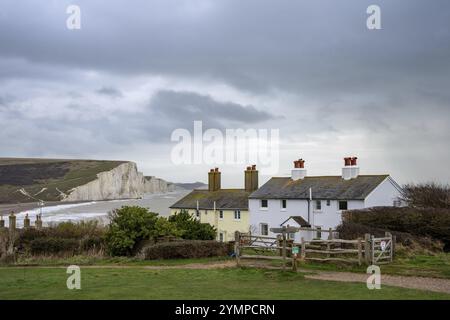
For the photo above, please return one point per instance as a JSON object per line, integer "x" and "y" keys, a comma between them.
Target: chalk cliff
{"x": 122, "y": 182}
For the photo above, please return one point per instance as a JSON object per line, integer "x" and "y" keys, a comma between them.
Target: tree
{"x": 128, "y": 226}
{"x": 427, "y": 195}
{"x": 192, "y": 229}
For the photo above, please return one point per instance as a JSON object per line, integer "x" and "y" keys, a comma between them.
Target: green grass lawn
{"x": 141, "y": 283}
{"x": 436, "y": 266}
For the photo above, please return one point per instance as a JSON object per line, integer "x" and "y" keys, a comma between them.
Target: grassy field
{"x": 141, "y": 283}
{"x": 435, "y": 266}
{"x": 35, "y": 174}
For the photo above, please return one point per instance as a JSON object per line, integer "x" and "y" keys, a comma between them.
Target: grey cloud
{"x": 110, "y": 91}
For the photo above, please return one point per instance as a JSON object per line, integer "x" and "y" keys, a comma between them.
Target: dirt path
{"x": 421, "y": 283}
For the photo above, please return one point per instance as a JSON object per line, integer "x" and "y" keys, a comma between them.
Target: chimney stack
{"x": 350, "y": 169}
{"x": 214, "y": 180}
{"x": 347, "y": 169}
{"x": 251, "y": 178}
{"x": 299, "y": 171}
{"x": 355, "y": 168}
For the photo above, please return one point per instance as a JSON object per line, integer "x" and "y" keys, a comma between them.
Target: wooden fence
{"x": 369, "y": 250}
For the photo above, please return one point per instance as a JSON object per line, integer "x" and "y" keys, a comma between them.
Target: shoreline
{"x": 6, "y": 208}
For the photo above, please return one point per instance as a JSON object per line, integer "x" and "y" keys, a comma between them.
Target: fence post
{"x": 303, "y": 252}
{"x": 2, "y": 222}
{"x": 12, "y": 232}
{"x": 38, "y": 222}
{"x": 237, "y": 243}
{"x": 284, "y": 250}
{"x": 359, "y": 251}
{"x": 330, "y": 234}
{"x": 372, "y": 249}
{"x": 26, "y": 222}
{"x": 388, "y": 234}
{"x": 394, "y": 243}
{"x": 367, "y": 248}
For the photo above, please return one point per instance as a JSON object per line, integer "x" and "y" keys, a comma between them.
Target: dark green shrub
{"x": 186, "y": 249}
{"x": 130, "y": 225}
{"x": 54, "y": 246}
{"x": 192, "y": 229}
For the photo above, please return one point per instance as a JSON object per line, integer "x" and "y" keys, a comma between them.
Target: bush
{"x": 192, "y": 229}
{"x": 54, "y": 246}
{"x": 427, "y": 195}
{"x": 186, "y": 249}
{"x": 66, "y": 237}
{"x": 431, "y": 222}
{"x": 130, "y": 225}
{"x": 351, "y": 230}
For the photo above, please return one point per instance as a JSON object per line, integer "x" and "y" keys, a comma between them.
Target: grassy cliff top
{"x": 33, "y": 175}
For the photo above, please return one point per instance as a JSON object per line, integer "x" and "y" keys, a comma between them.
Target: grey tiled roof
{"x": 224, "y": 198}
{"x": 323, "y": 187}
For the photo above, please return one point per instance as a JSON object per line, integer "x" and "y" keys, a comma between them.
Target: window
{"x": 264, "y": 203}
{"x": 318, "y": 205}
{"x": 291, "y": 236}
{"x": 397, "y": 203}
{"x": 283, "y": 204}
{"x": 264, "y": 229}
{"x": 221, "y": 237}
{"x": 237, "y": 214}
{"x": 328, "y": 203}
{"x": 220, "y": 214}
{"x": 197, "y": 213}
{"x": 343, "y": 205}
{"x": 319, "y": 232}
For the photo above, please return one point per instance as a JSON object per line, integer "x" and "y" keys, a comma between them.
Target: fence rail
{"x": 369, "y": 250}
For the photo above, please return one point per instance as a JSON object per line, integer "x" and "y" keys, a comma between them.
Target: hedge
{"x": 186, "y": 249}
{"x": 422, "y": 222}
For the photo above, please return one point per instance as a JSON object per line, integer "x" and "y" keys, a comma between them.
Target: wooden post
{"x": 237, "y": 243}
{"x": 367, "y": 248}
{"x": 303, "y": 250}
{"x": 330, "y": 234}
{"x": 388, "y": 234}
{"x": 328, "y": 249}
{"x": 38, "y": 222}
{"x": 372, "y": 250}
{"x": 12, "y": 232}
{"x": 394, "y": 243}
{"x": 284, "y": 250}
{"x": 359, "y": 251}
{"x": 2, "y": 222}
{"x": 26, "y": 222}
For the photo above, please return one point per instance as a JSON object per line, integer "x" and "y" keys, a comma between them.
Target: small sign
{"x": 295, "y": 250}
{"x": 383, "y": 245}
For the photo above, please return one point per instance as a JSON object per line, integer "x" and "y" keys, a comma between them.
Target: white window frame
{"x": 338, "y": 206}
{"x": 197, "y": 214}
{"x": 261, "y": 228}
{"x": 315, "y": 206}
{"x": 261, "y": 206}
{"x": 221, "y": 235}
{"x": 238, "y": 212}
{"x": 281, "y": 204}
{"x": 220, "y": 214}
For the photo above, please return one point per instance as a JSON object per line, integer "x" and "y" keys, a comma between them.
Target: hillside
{"x": 46, "y": 179}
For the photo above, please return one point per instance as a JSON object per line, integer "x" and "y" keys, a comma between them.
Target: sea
{"x": 98, "y": 210}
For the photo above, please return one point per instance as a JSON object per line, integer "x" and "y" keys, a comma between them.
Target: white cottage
{"x": 318, "y": 200}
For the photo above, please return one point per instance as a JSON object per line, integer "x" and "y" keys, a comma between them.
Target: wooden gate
{"x": 382, "y": 249}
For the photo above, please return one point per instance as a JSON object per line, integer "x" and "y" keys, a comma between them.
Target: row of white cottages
{"x": 297, "y": 200}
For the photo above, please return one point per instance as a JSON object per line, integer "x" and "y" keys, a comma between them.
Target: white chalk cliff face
{"x": 122, "y": 182}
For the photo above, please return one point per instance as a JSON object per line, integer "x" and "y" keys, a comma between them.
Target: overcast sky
{"x": 137, "y": 70}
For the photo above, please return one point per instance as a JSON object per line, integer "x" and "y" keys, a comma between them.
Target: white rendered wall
{"x": 383, "y": 195}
